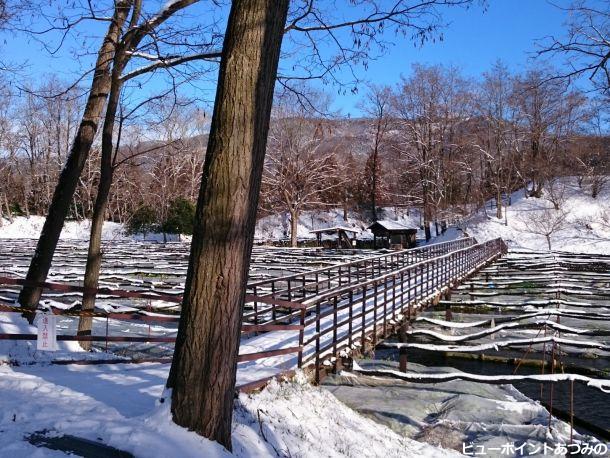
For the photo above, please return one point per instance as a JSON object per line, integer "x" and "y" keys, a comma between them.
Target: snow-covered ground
{"x": 269, "y": 228}
{"x": 584, "y": 230}
{"x": 29, "y": 228}
{"x": 118, "y": 405}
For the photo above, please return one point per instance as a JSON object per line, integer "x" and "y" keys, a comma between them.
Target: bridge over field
{"x": 321, "y": 310}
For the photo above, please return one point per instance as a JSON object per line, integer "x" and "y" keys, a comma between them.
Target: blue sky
{"x": 473, "y": 40}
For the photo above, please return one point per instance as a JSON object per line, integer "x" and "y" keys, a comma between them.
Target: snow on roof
{"x": 334, "y": 229}
{"x": 391, "y": 225}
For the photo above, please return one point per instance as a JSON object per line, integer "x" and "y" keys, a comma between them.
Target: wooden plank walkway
{"x": 310, "y": 319}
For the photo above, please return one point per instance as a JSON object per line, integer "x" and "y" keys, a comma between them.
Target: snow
{"x": 492, "y": 330}
{"x": 29, "y": 228}
{"x": 498, "y": 344}
{"x": 270, "y": 228}
{"x": 601, "y": 384}
{"x": 333, "y": 229}
{"x": 24, "y": 352}
{"x": 118, "y": 405}
{"x": 391, "y": 225}
{"x": 449, "y": 413}
{"x": 277, "y": 227}
{"x": 584, "y": 232}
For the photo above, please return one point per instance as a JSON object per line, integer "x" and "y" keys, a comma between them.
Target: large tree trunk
{"x": 294, "y": 226}
{"x": 374, "y": 187}
{"x": 427, "y": 214}
{"x": 498, "y": 204}
{"x": 68, "y": 180}
{"x": 10, "y": 213}
{"x": 94, "y": 255}
{"x": 202, "y": 376}
{"x": 535, "y": 176}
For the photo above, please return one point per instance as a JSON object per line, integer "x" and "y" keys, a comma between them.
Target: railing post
{"x": 402, "y": 291}
{"x": 421, "y": 283}
{"x": 393, "y": 297}
{"x": 409, "y": 287}
{"x": 363, "y": 330}
{"x": 375, "y": 292}
{"x": 318, "y": 342}
{"x": 402, "y": 359}
{"x": 273, "y": 311}
{"x": 301, "y": 338}
{"x": 385, "y": 307}
{"x": 335, "y": 326}
{"x": 256, "y": 306}
{"x": 351, "y": 314}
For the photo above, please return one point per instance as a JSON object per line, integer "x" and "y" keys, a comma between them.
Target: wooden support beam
{"x": 402, "y": 360}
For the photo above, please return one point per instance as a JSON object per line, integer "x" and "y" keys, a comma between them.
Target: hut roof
{"x": 391, "y": 226}
{"x": 332, "y": 229}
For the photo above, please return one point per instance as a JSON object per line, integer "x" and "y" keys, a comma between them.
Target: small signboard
{"x": 47, "y": 332}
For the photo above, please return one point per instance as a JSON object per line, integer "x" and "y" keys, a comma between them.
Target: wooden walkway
{"x": 309, "y": 319}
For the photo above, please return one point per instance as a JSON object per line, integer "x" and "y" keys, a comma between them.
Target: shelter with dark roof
{"x": 389, "y": 234}
{"x": 342, "y": 233}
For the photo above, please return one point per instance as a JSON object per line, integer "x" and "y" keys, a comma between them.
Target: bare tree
{"x": 430, "y": 106}
{"x": 204, "y": 366}
{"x": 586, "y": 45}
{"x": 109, "y": 162}
{"x": 202, "y": 377}
{"x": 376, "y": 106}
{"x": 556, "y": 192}
{"x": 119, "y": 47}
{"x": 592, "y": 159}
{"x": 41, "y": 261}
{"x": 497, "y": 141}
{"x": 603, "y": 219}
{"x": 537, "y": 100}
{"x": 298, "y": 170}
{"x": 545, "y": 222}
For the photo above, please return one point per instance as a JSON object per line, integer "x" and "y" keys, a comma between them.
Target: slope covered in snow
{"x": 270, "y": 228}
{"x": 29, "y": 228}
{"x": 118, "y": 405}
{"x": 586, "y": 228}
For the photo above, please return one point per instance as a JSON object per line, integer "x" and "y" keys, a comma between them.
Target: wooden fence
{"x": 140, "y": 316}
{"x": 392, "y": 288}
{"x": 348, "y": 318}
{"x": 306, "y": 285}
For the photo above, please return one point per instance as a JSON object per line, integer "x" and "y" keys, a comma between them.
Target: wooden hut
{"x": 343, "y": 239}
{"x": 389, "y": 234}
